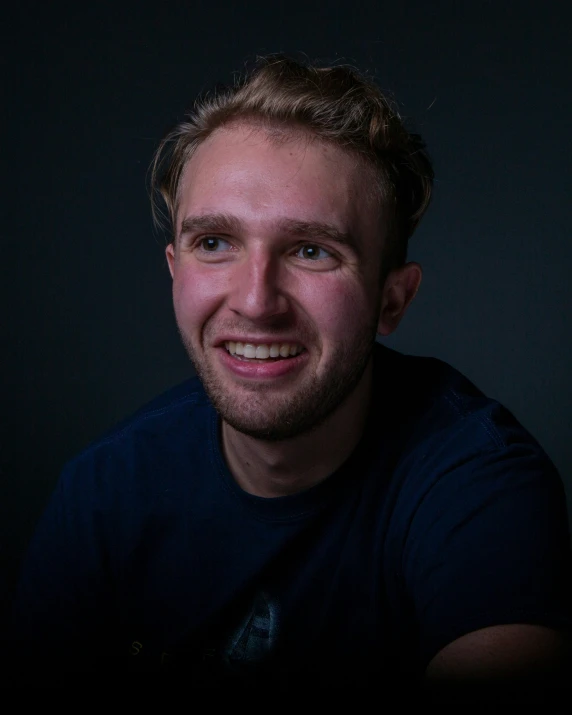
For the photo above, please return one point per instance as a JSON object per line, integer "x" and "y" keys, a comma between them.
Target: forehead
{"x": 263, "y": 176}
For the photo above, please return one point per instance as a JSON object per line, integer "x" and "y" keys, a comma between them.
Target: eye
{"x": 213, "y": 244}
{"x": 313, "y": 253}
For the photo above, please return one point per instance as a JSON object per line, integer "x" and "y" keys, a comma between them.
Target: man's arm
{"x": 519, "y": 663}
{"x": 488, "y": 569}
{"x": 62, "y": 608}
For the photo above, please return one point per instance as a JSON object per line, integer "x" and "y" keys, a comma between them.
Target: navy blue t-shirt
{"x": 448, "y": 517}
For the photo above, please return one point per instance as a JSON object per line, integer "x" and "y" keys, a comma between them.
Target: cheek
{"x": 336, "y": 306}
{"x": 195, "y": 295}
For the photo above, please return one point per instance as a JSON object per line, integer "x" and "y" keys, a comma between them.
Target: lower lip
{"x": 262, "y": 370}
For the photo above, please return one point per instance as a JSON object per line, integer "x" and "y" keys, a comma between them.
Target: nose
{"x": 257, "y": 293}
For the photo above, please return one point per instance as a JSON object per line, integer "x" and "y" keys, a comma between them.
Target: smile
{"x": 263, "y": 351}
{"x": 269, "y": 361}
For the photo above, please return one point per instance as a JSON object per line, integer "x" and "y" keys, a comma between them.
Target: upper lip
{"x": 258, "y": 341}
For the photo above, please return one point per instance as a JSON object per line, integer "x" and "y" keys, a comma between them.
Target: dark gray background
{"x": 88, "y": 332}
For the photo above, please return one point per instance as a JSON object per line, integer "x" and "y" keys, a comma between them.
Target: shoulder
{"x": 442, "y": 419}
{"x": 468, "y": 476}
{"x": 154, "y": 434}
{"x": 156, "y": 415}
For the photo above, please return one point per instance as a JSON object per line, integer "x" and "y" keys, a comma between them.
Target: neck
{"x": 273, "y": 469}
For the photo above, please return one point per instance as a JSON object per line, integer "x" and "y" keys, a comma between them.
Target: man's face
{"x": 278, "y": 248}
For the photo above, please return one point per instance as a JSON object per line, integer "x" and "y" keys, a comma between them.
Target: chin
{"x": 269, "y": 431}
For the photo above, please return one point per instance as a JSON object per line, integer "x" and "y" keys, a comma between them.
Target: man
{"x": 314, "y": 508}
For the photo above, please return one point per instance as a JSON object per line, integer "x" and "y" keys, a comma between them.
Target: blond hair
{"x": 335, "y": 104}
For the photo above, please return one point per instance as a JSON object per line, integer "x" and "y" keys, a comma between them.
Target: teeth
{"x": 261, "y": 352}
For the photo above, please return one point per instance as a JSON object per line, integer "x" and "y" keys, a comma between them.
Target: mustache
{"x": 236, "y": 327}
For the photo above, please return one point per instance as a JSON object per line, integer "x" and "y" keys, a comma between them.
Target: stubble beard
{"x": 258, "y": 411}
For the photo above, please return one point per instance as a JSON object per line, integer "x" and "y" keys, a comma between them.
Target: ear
{"x": 170, "y": 253}
{"x": 399, "y": 290}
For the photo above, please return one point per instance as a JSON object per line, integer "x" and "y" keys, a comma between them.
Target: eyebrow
{"x": 210, "y": 222}
{"x": 314, "y": 230}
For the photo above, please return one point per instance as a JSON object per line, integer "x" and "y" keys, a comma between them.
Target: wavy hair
{"x": 335, "y": 104}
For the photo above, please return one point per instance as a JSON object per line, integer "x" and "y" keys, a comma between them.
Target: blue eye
{"x": 313, "y": 253}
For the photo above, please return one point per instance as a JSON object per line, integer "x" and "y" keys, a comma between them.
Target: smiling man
{"x": 277, "y": 296}
{"x": 314, "y": 508}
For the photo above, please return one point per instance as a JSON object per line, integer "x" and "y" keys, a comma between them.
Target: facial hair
{"x": 258, "y": 411}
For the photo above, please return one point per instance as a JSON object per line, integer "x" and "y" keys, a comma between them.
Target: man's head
{"x": 282, "y": 212}
{"x": 335, "y": 104}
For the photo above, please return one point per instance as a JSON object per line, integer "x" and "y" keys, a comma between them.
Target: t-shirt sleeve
{"x": 489, "y": 544}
